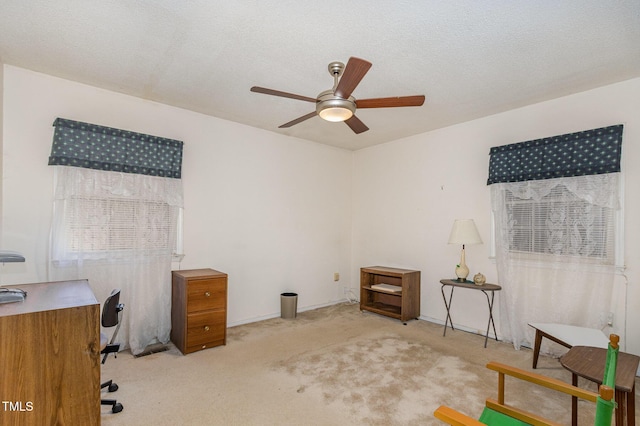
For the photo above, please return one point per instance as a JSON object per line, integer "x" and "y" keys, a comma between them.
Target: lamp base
{"x": 462, "y": 271}
{"x": 461, "y": 280}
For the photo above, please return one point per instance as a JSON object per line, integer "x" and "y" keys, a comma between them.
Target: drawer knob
{"x": 204, "y": 346}
{"x": 206, "y": 328}
{"x": 206, "y": 293}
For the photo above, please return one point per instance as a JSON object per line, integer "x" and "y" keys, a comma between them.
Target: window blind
{"x": 94, "y": 225}
{"x": 561, "y": 223}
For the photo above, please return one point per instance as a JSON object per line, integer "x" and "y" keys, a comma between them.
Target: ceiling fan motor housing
{"x": 334, "y": 108}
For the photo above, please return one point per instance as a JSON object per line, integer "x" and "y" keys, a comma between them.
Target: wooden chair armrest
{"x": 455, "y": 418}
{"x": 547, "y": 382}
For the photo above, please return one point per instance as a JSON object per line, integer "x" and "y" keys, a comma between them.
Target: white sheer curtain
{"x": 118, "y": 230}
{"x": 568, "y": 276}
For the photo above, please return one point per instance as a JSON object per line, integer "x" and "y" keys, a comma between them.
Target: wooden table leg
{"x": 621, "y": 398}
{"x": 536, "y": 348}
{"x": 631, "y": 407}
{"x": 574, "y": 402}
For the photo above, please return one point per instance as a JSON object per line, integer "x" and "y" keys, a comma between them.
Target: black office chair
{"x": 110, "y": 318}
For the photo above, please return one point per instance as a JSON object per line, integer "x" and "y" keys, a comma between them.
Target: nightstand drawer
{"x": 201, "y": 346}
{"x": 206, "y": 327}
{"x": 206, "y": 294}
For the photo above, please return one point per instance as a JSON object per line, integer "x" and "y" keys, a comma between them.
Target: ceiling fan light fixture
{"x": 333, "y": 108}
{"x": 335, "y": 114}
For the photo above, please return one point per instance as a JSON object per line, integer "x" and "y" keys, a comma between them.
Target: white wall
{"x": 271, "y": 211}
{"x": 279, "y": 214}
{"x": 407, "y": 194}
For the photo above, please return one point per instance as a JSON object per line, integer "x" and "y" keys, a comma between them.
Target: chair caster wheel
{"x": 117, "y": 408}
{"x": 113, "y": 387}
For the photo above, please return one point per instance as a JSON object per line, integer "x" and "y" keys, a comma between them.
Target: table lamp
{"x": 464, "y": 231}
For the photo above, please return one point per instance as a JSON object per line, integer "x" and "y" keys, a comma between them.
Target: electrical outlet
{"x": 336, "y": 276}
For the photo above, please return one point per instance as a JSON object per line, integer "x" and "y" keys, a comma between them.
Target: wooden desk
{"x": 589, "y": 362}
{"x": 50, "y": 356}
{"x": 492, "y": 288}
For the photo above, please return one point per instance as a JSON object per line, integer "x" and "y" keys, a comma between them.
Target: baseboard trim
{"x": 323, "y": 305}
{"x": 277, "y": 314}
{"x": 461, "y": 327}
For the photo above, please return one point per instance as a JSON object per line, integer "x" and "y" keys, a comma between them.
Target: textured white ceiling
{"x": 470, "y": 58}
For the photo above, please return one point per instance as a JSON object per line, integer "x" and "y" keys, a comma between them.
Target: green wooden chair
{"x": 498, "y": 412}
{"x": 605, "y": 405}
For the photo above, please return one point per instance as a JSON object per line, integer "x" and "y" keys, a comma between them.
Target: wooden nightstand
{"x": 198, "y": 309}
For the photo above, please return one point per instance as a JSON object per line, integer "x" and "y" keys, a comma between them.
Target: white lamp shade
{"x": 464, "y": 231}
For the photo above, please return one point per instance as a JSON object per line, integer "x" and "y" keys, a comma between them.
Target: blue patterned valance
{"x": 91, "y": 146}
{"x": 591, "y": 152}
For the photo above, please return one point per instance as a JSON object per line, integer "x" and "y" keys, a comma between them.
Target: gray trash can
{"x": 288, "y": 305}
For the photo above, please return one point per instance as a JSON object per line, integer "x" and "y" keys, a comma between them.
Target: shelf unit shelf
{"x": 403, "y": 304}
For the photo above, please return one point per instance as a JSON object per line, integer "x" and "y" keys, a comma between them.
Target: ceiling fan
{"x": 337, "y": 104}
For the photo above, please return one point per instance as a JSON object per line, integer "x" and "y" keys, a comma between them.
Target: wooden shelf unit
{"x": 403, "y": 304}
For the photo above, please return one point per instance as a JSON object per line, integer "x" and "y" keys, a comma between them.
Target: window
{"x": 557, "y": 229}
{"x": 559, "y": 195}
{"x": 98, "y": 225}
{"x": 567, "y": 217}
{"x": 561, "y": 224}
{"x": 100, "y": 215}
{"x": 116, "y": 192}
{"x": 117, "y": 219}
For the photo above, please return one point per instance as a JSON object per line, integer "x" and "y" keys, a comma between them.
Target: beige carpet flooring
{"x": 330, "y": 366}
